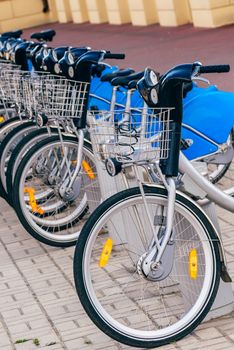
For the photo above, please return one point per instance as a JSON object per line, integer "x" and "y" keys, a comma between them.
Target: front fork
{"x": 158, "y": 245}
{"x": 66, "y": 187}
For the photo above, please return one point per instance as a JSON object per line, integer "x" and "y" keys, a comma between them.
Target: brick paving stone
{"x": 208, "y": 333}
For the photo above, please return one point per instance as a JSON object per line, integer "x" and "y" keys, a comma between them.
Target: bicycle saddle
{"x": 119, "y": 73}
{"x": 123, "y": 81}
{"x": 45, "y": 35}
{"x": 12, "y": 34}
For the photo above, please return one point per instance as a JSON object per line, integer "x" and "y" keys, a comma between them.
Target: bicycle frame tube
{"x": 80, "y": 136}
{"x": 222, "y": 198}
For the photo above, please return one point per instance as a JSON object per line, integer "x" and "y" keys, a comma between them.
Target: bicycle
{"x": 52, "y": 170}
{"x": 64, "y": 221}
{"x": 148, "y": 261}
{"x": 215, "y": 149}
{"x": 58, "y": 219}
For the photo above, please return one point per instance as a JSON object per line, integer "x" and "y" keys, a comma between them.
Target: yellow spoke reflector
{"x": 32, "y": 201}
{"x": 2, "y": 119}
{"x": 193, "y": 263}
{"x": 106, "y": 252}
{"x": 87, "y": 168}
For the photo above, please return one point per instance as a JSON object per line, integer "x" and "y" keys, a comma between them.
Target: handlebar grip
{"x": 117, "y": 56}
{"x": 221, "y": 68}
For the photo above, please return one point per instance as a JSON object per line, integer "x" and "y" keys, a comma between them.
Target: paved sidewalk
{"x": 38, "y": 299}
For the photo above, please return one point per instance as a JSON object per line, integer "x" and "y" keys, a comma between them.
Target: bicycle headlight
{"x": 71, "y": 72}
{"x": 151, "y": 77}
{"x": 56, "y": 68}
{"x": 148, "y": 87}
{"x": 154, "y": 96}
{"x": 70, "y": 58}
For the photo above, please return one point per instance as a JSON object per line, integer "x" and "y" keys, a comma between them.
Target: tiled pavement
{"x": 38, "y": 299}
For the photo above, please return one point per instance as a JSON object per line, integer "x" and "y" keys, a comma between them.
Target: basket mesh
{"x": 11, "y": 85}
{"x": 9, "y": 88}
{"x": 40, "y": 92}
{"x": 56, "y": 97}
{"x": 136, "y": 137}
{"x": 32, "y": 85}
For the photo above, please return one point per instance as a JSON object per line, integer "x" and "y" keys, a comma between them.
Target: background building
{"x": 201, "y": 13}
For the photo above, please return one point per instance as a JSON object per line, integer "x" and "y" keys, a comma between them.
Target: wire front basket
{"x": 33, "y": 85}
{"x": 40, "y": 92}
{"x": 57, "y": 97}
{"x": 11, "y": 88}
{"x": 139, "y": 136}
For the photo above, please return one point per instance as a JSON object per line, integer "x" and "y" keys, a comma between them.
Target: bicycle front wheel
{"x": 112, "y": 287}
{"x": 54, "y": 220}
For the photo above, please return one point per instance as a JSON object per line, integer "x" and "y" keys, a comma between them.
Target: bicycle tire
{"x": 35, "y": 229}
{"x": 8, "y": 139}
{"x": 32, "y": 138}
{"x": 82, "y": 263}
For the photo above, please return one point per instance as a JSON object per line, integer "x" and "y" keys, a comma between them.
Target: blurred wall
{"x": 15, "y": 14}
{"x": 201, "y": 13}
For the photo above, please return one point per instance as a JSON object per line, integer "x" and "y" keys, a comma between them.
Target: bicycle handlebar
{"x": 221, "y": 68}
{"x": 117, "y": 56}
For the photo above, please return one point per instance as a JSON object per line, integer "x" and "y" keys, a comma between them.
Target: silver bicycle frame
{"x": 214, "y": 194}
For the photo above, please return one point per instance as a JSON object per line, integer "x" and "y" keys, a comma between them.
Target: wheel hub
{"x": 156, "y": 269}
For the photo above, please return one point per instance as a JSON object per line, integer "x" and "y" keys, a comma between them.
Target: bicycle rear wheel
{"x": 112, "y": 286}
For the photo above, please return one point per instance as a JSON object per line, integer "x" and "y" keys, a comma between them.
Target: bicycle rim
{"x": 134, "y": 308}
{"x": 60, "y": 221}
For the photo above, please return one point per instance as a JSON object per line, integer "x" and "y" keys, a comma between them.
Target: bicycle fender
{"x": 210, "y": 112}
